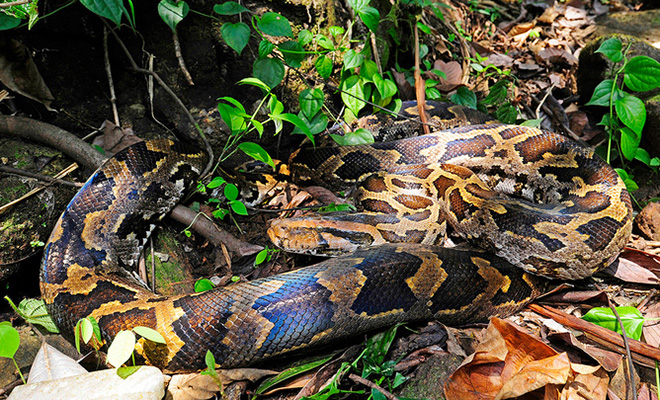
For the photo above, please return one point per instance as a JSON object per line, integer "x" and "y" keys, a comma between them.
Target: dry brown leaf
{"x": 506, "y": 353}
{"x": 630, "y": 271}
{"x": 405, "y": 88}
{"x": 20, "y": 74}
{"x": 646, "y": 394}
{"x": 588, "y": 383}
{"x": 453, "y": 73}
{"x": 192, "y": 387}
{"x": 553, "y": 55}
{"x": 651, "y": 328}
{"x": 609, "y": 360}
{"x": 115, "y": 138}
{"x": 522, "y": 28}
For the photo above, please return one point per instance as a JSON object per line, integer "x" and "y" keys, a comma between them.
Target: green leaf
{"x": 149, "y": 334}
{"x": 110, "y": 9}
{"x": 359, "y": 136}
{"x": 34, "y": 311}
{"x": 643, "y": 156}
{"x": 353, "y": 93}
{"x": 209, "y": 360}
{"x": 324, "y": 42}
{"x": 507, "y": 114}
{"x": 235, "y": 35}
{"x": 465, "y": 97}
{"x": 289, "y": 373}
{"x": 216, "y": 182}
{"x": 323, "y": 65}
{"x": 254, "y": 82}
{"x": 642, "y": 73}
{"x": 632, "y": 112}
{"x": 172, "y": 12}
{"x": 238, "y": 207}
{"x": 601, "y": 95}
{"x": 611, "y": 48}
{"x": 316, "y": 125}
{"x": 203, "y": 285}
{"x": 229, "y": 8}
{"x": 125, "y": 372}
{"x": 631, "y": 318}
{"x": 261, "y": 257}
{"x": 336, "y": 30}
{"x": 231, "y": 191}
{"x": 297, "y": 122}
{"x": 336, "y": 207}
{"x": 265, "y": 48}
{"x": 311, "y": 101}
{"x": 293, "y": 53}
{"x": 10, "y": 340}
{"x": 8, "y": 22}
{"x": 86, "y": 330}
{"x": 274, "y": 24}
{"x": 368, "y": 70}
{"x": 305, "y": 37}
{"x": 269, "y": 70}
{"x": 498, "y": 93}
{"x": 257, "y": 152}
{"x": 386, "y": 88}
{"x": 423, "y": 28}
{"x": 629, "y": 142}
{"x": 370, "y": 17}
{"x": 352, "y": 59}
{"x": 121, "y": 348}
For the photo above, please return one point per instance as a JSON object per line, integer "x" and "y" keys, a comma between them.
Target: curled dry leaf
{"x": 453, "y": 74}
{"x": 192, "y": 387}
{"x": 509, "y": 363}
{"x": 553, "y": 55}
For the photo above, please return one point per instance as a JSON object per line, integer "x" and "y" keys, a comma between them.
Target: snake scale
{"x": 535, "y": 201}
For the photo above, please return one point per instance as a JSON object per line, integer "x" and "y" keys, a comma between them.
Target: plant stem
{"x": 19, "y": 370}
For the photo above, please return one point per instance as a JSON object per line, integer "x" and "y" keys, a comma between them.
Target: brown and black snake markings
{"x": 534, "y": 201}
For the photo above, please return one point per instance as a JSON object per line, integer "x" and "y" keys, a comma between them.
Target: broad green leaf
{"x": 274, "y": 24}
{"x": 642, "y": 73}
{"x": 238, "y": 207}
{"x": 269, "y": 70}
{"x": 629, "y": 142}
{"x": 601, "y": 95}
{"x": 34, "y": 311}
{"x": 216, "y": 182}
{"x": 611, "y": 48}
{"x": 323, "y": 65}
{"x": 261, "y": 257}
{"x": 110, "y": 9}
{"x": 231, "y": 191}
{"x": 533, "y": 123}
{"x": 229, "y": 8}
{"x": 357, "y": 137}
{"x": 121, "y": 348}
{"x": 209, "y": 360}
{"x": 297, "y": 122}
{"x": 385, "y": 87}
{"x": 336, "y": 207}
{"x": 257, "y": 152}
{"x": 149, "y": 334}
{"x": 235, "y": 35}
{"x": 293, "y": 53}
{"x": 353, "y": 93}
{"x": 8, "y": 22}
{"x": 368, "y": 70}
{"x": 423, "y": 28}
{"x": 172, "y": 12}
{"x": 497, "y": 94}
{"x": 235, "y": 102}
{"x": 336, "y": 30}
{"x": 632, "y": 112}
{"x": 232, "y": 117}
{"x": 643, "y": 156}
{"x": 324, "y": 42}
{"x": 352, "y": 59}
{"x": 316, "y": 125}
{"x": 305, "y": 37}
{"x": 203, "y": 285}
{"x": 86, "y": 330}
{"x": 465, "y": 97}
{"x": 10, "y": 340}
{"x": 507, "y": 114}
{"x": 631, "y": 318}
{"x": 370, "y": 17}
{"x": 265, "y": 48}
{"x": 311, "y": 101}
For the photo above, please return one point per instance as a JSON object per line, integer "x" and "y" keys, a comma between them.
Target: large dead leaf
{"x": 508, "y": 362}
{"x": 20, "y": 74}
{"x": 453, "y": 74}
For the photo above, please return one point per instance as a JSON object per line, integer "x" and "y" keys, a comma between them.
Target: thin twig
{"x": 179, "y": 56}
{"x": 374, "y": 49}
{"x": 171, "y": 93}
{"x": 369, "y": 384}
{"x": 15, "y": 3}
{"x": 108, "y": 72}
{"x": 41, "y": 177}
{"x": 420, "y": 87}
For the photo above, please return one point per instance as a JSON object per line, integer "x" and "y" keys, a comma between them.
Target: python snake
{"x": 582, "y": 223}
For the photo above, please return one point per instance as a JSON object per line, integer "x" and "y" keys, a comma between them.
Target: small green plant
{"x": 203, "y": 285}
{"x": 122, "y": 347}
{"x": 34, "y": 311}
{"x": 10, "y": 341}
{"x": 210, "y": 370}
{"x": 626, "y": 114}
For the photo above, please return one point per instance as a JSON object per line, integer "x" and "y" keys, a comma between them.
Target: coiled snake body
{"x": 583, "y": 222}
